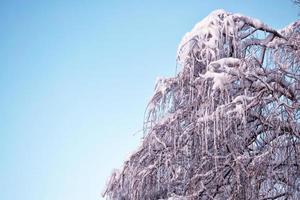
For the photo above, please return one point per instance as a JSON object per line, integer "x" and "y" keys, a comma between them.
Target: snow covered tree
{"x": 227, "y": 126}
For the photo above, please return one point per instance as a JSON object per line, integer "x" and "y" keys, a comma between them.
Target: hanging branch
{"x": 227, "y": 126}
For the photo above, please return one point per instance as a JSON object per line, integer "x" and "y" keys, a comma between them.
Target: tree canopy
{"x": 227, "y": 126}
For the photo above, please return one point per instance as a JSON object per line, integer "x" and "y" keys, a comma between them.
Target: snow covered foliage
{"x": 227, "y": 126}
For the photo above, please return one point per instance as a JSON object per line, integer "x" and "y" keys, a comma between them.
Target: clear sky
{"x": 75, "y": 78}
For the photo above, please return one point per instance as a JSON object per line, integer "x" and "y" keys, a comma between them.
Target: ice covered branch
{"x": 227, "y": 126}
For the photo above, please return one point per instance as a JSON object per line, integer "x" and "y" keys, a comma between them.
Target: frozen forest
{"x": 227, "y": 126}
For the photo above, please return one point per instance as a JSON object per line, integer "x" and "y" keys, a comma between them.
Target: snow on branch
{"x": 227, "y": 126}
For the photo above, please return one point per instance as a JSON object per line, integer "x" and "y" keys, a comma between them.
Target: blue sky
{"x": 75, "y": 78}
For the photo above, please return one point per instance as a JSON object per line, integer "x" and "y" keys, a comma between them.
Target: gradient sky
{"x": 75, "y": 78}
